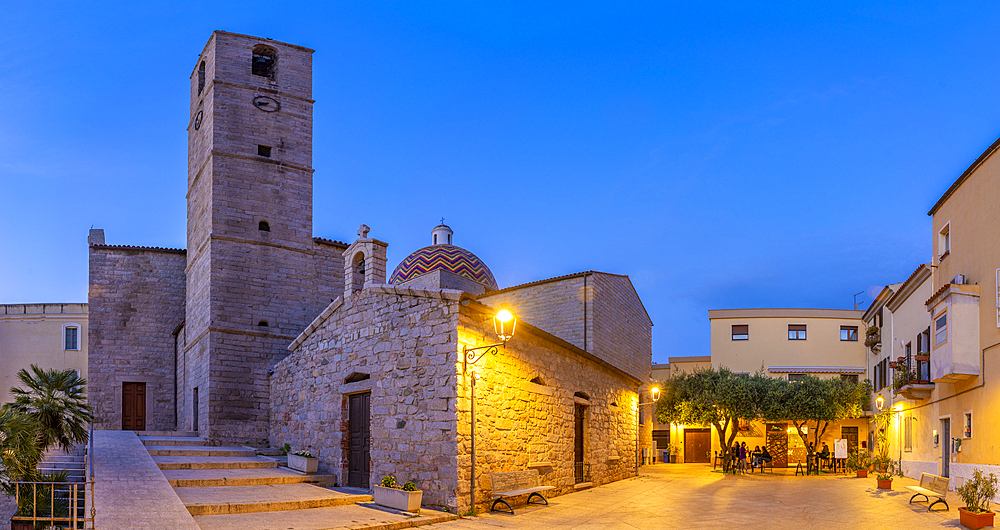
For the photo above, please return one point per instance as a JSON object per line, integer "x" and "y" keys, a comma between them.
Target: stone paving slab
{"x": 691, "y": 496}
{"x": 129, "y": 490}
{"x": 174, "y": 450}
{"x": 353, "y": 516}
{"x": 250, "y": 499}
{"x": 213, "y": 462}
{"x": 173, "y": 440}
{"x": 188, "y": 478}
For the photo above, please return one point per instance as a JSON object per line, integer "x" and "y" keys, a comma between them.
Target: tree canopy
{"x": 720, "y": 398}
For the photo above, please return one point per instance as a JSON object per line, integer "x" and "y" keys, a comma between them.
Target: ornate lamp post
{"x": 503, "y": 324}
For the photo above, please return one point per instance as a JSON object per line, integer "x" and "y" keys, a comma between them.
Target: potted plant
{"x": 976, "y": 493}
{"x": 873, "y": 338}
{"x": 388, "y": 495}
{"x": 859, "y": 461}
{"x": 303, "y": 461}
{"x": 673, "y": 449}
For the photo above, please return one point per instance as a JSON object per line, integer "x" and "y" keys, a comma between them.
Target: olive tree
{"x": 710, "y": 396}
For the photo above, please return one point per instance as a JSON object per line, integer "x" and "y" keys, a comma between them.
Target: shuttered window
{"x": 741, "y": 332}
{"x": 796, "y": 332}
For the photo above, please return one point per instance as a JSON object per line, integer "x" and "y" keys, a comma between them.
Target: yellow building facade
{"x": 49, "y": 335}
{"x": 788, "y": 344}
{"x": 945, "y": 405}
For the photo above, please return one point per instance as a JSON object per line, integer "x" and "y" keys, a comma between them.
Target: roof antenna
{"x": 857, "y": 305}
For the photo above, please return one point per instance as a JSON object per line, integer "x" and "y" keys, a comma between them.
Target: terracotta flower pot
{"x": 975, "y": 520}
{"x": 884, "y": 484}
{"x": 862, "y": 473}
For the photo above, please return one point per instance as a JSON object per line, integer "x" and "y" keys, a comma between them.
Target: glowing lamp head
{"x": 880, "y": 403}
{"x": 504, "y": 323}
{"x": 655, "y": 393}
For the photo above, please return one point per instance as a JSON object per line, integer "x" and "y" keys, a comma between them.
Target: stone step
{"x": 252, "y": 499}
{"x": 354, "y": 516}
{"x": 174, "y": 450}
{"x": 173, "y": 440}
{"x": 166, "y": 433}
{"x": 63, "y": 458}
{"x": 213, "y": 462}
{"x": 191, "y": 478}
{"x": 62, "y": 465}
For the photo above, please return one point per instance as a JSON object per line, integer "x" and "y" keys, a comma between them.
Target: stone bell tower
{"x": 249, "y": 233}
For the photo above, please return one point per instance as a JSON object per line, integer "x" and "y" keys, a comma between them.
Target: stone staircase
{"x": 234, "y": 487}
{"x": 73, "y": 462}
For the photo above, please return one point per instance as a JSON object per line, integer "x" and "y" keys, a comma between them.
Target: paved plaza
{"x": 692, "y": 496}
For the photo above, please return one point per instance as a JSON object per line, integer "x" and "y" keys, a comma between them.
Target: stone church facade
{"x": 260, "y": 333}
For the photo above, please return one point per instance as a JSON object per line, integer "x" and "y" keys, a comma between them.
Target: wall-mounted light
{"x": 504, "y": 323}
{"x": 879, "y": 403}
{"x": 655, "y": 393}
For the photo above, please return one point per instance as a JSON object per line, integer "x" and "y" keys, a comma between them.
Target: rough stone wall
{"x": 621, "y": 332}
{"x": 520, "y": 423}
{"x": 441, "y": 279}
{"x": 136, "y": 301}
{"x": 405, "y": 339}
{"x": 597, "y": 312}
{"x": 328, "y": 263}
{"x": 556, "y": 306}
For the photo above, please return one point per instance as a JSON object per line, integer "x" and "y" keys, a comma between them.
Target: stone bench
{"x": 514, "y": 483}
{"x": 931, "y": 486}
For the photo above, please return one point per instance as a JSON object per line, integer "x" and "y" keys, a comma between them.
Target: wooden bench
{"x": 931, "y": 486}
{"x": 514, "y": 483}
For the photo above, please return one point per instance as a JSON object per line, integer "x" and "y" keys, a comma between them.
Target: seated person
{"x": 824, "y": 455}
{"x": 755, "y": 457}
{"x": 764, "y": 455}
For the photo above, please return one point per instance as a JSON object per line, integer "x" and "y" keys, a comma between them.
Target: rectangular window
{"x": 944, "y": 241}
{"x": 741, "y": 332}
{"x": 72, "y": 340}
{"x": 849, "y": 333}
{"x": 796, "y": 332}
{"x": 941, "y": 329}
{"x": 796, "y": 377}
{"x": 908, "y": 433}
{"x": 850, "y": 378}
{"x": 263, "y": 150}
{"x": 968, "y": 424}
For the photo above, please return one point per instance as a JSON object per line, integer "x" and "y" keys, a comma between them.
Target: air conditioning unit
{"x": 958, "y": 279}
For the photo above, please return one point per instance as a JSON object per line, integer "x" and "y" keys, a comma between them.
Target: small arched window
{"x": 263, "y": 226}
{"x": 262, "y": 323}
{"x": 201, "y": 77}
{"x": 263, "y": 60}
{"x": 538, "y": 380}
{"x": 435, "y": 239}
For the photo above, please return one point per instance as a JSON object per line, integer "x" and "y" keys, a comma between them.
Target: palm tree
{"x": 19, "y": 450}
{"x": 55, "y": 401}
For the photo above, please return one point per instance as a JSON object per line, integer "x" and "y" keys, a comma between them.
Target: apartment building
{"x": 945, "y": 327}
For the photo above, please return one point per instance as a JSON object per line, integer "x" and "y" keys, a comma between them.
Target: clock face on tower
{"x": 266, "y": 104}
{"x": 197, "y": 120}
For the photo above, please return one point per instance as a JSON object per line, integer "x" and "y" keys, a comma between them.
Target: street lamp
{"x": 503, "y": 324}
{"x": 880, "y": 403}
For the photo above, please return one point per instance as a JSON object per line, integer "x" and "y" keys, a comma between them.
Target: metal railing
{"x": 60, "y": 504}
{"x": 582, "y": 473}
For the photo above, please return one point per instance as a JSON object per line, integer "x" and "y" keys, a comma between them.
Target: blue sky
{"x": 723, "y": 156}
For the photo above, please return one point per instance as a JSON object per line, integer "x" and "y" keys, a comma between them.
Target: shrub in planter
{"x": 406, "y": 499}
{"x": 303, "y": 461}
{"x": 859, "y": 461}
{"x": 976, "y": 493}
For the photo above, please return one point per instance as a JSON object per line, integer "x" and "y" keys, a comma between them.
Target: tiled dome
{"x": 455, "y": 260}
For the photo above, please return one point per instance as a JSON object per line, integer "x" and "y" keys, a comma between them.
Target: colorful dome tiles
{"x": 455, "y": 260}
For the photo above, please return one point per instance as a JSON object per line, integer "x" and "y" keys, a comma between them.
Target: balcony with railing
{"x": 912, "y": 379}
